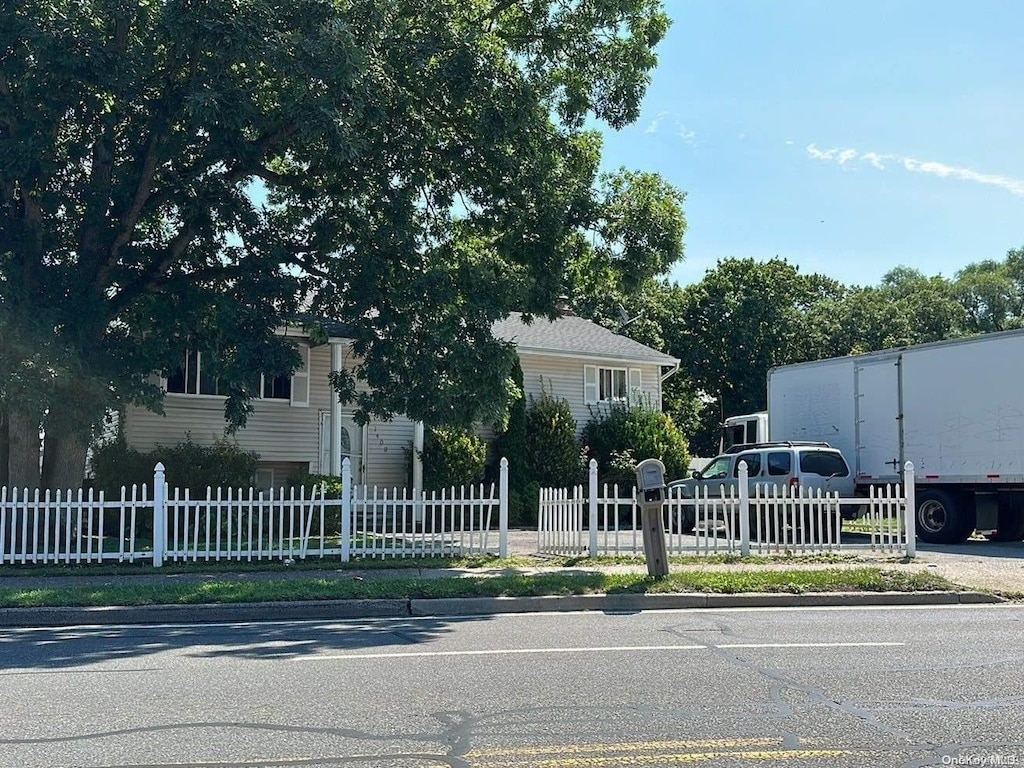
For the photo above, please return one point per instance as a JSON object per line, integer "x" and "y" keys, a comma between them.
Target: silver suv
{"x": 807, "y": 465}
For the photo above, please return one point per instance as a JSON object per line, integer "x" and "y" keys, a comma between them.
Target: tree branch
{"x": 153, "y": 277}
{"x": 259, "y": 149}
{"x": 142, "y": 193}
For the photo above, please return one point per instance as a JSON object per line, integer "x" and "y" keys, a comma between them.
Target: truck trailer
{"x": 954, "y": 408}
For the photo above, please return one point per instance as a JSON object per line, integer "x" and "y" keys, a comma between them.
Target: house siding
{"x": 276, "y": 430}
{"x": 562, "y": 377}
{"x": 285, "y": 434}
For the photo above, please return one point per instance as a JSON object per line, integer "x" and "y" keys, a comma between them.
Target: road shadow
{"x": 60, "y": 648}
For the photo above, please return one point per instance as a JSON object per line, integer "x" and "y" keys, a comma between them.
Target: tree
{"x": 634, "y": 236}
{"x": 743, "y": 318}
{"x": 180, "y": 175}
{"x": 992, "y": 293}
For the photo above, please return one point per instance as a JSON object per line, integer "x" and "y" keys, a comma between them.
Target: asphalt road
{"x": 793, "y": 687}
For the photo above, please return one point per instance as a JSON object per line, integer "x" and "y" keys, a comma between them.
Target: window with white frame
{"x": 194, "y": 377}
{"x": 612, "y": 385}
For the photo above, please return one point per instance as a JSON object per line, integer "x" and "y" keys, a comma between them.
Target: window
{"x": 276, "y": 387}
{"x": 190, "y": 378}
{"x": 194, "y": 377}
{"x": 779, "y": 463}
{"x": 823, "y": 463}
{"x": 717, "y": 469}
{"x": 753, "y": 464}
{"x": 612, "y": 385}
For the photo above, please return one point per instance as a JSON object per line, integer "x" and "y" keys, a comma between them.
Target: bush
{"x": 627, "y": 435}
{"x": 452, "y": 457}
{"x": 331, "y": 483}
{"x": 187, "y": 464}
{"x": 552, "y": 450}
{"x": 511, "y": 443}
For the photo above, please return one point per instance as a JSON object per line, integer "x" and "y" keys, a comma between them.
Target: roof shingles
{"x": 573, "y": 335}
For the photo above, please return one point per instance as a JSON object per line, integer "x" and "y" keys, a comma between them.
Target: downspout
{"x": 661, "y": 395}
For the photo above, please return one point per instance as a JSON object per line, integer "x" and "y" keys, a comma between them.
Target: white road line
{"x": 593, "y": 649}
{"x": 810, "y": 645}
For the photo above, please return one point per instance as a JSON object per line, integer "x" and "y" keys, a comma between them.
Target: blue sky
{"x": 847, "y": 137}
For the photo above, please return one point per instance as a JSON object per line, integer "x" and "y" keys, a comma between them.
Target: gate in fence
{"x": 606, "y": 520}
{"x": 235, "y": 524}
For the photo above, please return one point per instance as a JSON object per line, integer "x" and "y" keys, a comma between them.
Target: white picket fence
{"x": 72, "y": 526}
{"x": 606, "y": 521}
{"x": 235, "y": 524}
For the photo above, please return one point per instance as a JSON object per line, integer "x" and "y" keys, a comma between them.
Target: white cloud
{"x": 846, "y": 157}
{"x": 676, "y": 125}
{"x": 1013, "y": 186}
{"x": 789, "y": 142}
{"x": 655, "y": 123}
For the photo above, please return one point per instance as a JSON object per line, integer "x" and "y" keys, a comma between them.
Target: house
{"x": 291, "y": 424}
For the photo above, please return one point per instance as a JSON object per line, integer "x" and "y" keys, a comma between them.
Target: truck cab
{"x": 744, "y": 430}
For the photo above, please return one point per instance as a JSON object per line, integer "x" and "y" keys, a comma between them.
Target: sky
{"x": 846, "y": 137}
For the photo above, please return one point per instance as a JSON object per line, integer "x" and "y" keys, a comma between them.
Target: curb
{"x": 471, "y": 606}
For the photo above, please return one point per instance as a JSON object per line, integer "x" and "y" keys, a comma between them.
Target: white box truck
{"x": 954, "y": 408}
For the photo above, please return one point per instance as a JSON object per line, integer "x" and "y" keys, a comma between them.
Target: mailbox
{"x": 651, "y": 495}
{"x": 650, "y": 481}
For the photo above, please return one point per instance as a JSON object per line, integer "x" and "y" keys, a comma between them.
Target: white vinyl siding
{"x": 281, "y": 434}
{"x": 562, "y": 377}
{"x": 275, "y": 430}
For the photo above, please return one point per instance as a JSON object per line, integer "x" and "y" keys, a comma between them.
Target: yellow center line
{"x": 628, "y": 746}
{"x": 685, "y": 757}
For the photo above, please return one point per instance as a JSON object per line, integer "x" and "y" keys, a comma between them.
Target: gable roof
{"x": 571, "y": 335}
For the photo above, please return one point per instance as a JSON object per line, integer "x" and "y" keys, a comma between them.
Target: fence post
{"x": 910, "y": 517}
{"x": 159, "y": 515}
{"x": 503, "y": 509}
{"x": 592, "y": 504}
{"x": 744, "y": 490}
{"x": 346, "y": 509}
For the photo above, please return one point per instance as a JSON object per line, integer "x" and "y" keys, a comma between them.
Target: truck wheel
{"x": 941, "y": 518}
{"x": 1011, "y": 525}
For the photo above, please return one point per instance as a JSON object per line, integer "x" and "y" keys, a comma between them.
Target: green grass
{"x": 245, "y": 566}
{"x": 886, "y": 525}
{"x": 390, "y": 563}
{"x": 513, "y": 585}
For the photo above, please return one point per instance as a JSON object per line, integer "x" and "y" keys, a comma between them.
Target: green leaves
{"x": 176, "y": 174}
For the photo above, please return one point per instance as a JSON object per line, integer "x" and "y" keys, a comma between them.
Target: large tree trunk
{"x": 64, "y": 461}
{"x": 22, "y": 448}
{"x": 4, "y": 449}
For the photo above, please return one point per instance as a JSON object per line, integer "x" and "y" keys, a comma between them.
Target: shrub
{"x": 626, "y": 435}
{"x": 331, "y": 483}
{"x": 452, "y": 457}
{"x": 187, "y": 464}
{"x": 552, "y": 450}
{"x": 511, "y": 443}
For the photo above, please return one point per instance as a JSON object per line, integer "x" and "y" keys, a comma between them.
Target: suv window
{"x": 753, "y": 464}
{"x": 824, "y": 463}
{"x": 717, "y": 469}
{"x": 780, "y": 463}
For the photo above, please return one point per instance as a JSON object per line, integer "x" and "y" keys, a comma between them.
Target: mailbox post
{"x": 650, "y": 495}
